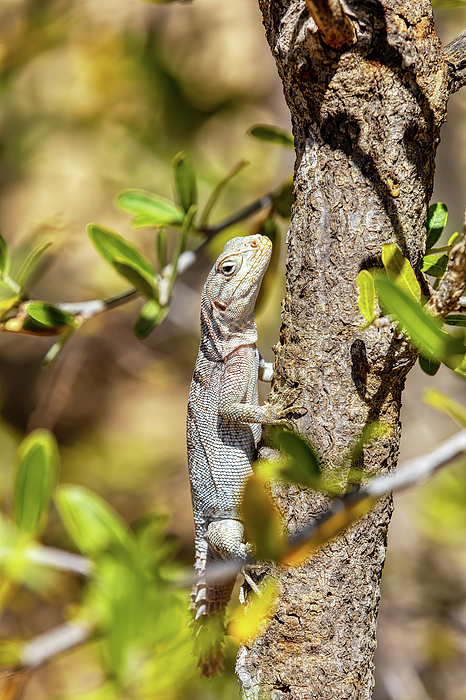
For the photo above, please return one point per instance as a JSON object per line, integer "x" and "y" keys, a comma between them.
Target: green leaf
{"x": 366, "y": 300}
{"x": 302, "y": 466}
{"x": 4, "y": 257}
{"x": 142, "y": 283}
{"x": 8, "y": 297}
{"x": 250, "y": 622}
{"x": 185, "y": 181}
{"x": 436, "y": 221}
{"x": 423, "y": 330}
{"x": 49, "y": 316}
{"x": 111, "y": 246}
{"x": 155, "y": 210}
{"x": 270, "y": 229}
{"x": 399, "y": 271}
{"x": 151, "y": 315}
{"x": 271, "y": 134}
{"x": 121, "y": 607}
{"x": 29, "y": 264}
{"x": 91, "y": 523}
{"x": 456, "y": 320}
{"x": 214, "y": 197}
{"x": 282, "y": 198}
{"x": 434, "y": 265}
{"x": 36, "y": 475}
{"x": 261, "y": 522}
{"x": 161, "y": 249}
{"x": 429, "y": 365}
{"x": 442, "y": 403}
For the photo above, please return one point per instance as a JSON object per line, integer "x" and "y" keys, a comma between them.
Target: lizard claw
{"x": 295, "y": 412}
{"x": 286, "y": 408}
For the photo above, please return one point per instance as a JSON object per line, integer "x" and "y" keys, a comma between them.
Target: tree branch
{"x": 347, "y": 508}
{"x": 334, "y": 25}
{"x": 38, "y": 651}
{"x": 448, "y": 296}
{"x": 245, "y": 213}
{"x": 59, "y": 559}
{"x": 454, "y": 55}
{"x": 47, "y": 646}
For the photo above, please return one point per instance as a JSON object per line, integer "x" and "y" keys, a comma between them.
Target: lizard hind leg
{"x": 226, "y": 538}
{"x": 210, "y": 597}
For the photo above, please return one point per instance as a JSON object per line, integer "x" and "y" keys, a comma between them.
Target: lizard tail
{"x": 208, "y": 605}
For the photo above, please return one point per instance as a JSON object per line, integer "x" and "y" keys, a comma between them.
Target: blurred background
{"x": 100, "y": 95}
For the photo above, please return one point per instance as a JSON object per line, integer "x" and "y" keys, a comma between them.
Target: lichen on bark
{"x": 366, "y": 123}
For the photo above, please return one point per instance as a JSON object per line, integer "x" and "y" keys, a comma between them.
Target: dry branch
{"x": 334, "y": 25}
{"x": 454, "y": 55}
{"x": 448, "y": 296}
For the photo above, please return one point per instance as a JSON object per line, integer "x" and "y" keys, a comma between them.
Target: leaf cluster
{"x": 139, "y": 616}
{"x": 399, "y": 295}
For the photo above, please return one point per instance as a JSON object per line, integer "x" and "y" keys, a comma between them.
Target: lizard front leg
{"x": 238, "y": 394}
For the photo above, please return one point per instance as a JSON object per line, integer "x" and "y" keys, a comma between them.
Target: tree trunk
{"x": 366, "y": 123}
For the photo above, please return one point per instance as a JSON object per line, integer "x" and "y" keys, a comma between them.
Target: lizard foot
{"x": 250, "y": 581}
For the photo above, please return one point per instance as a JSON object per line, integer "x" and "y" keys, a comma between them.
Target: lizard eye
{"x": 228, "y": 267}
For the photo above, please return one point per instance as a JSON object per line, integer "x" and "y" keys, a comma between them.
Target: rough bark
{"x": 366, "y": 123}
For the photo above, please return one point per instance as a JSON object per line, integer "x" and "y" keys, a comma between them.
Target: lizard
{"x": 224, "y": 421}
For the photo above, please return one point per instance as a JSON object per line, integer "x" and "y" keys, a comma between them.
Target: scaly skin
{"x": 223, "y": 427}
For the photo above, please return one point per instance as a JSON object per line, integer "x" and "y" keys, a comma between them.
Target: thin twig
{"x": 59, "y": 559}
{"x": 262, "y": 203}
{"x": 334, "y": 25}
{"x": 84, "y": 311}
{"x": 45, "y": 647}
{"x": 448, "y": 295}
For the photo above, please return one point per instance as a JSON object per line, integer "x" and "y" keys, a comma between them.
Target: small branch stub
{"x": 335, "y": 27}
{"x": 448, "y": 296}
{"x": 454, "y": 55}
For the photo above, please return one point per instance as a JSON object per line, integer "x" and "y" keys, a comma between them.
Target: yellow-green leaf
{"x": 91, "y": 523}
{"x": 366, "y": 300}
{"x": 442, "y": 403}
{"x": 399, "y": 271}
{"x": 155, "y": 210}
{"x": 424, "y": 330}
{"x": 185, "y": 180}
{"x": 36, "y": 474}
{"x": 261, "y": 522}
{"x": 4, "y": 257}
{"x": 247, "y": 624}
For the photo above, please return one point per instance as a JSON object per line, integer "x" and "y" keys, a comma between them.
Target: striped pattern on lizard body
{"x": 223, "y": 427}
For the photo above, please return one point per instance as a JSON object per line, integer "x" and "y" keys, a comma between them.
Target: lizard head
{"x": 231, "y": 290}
